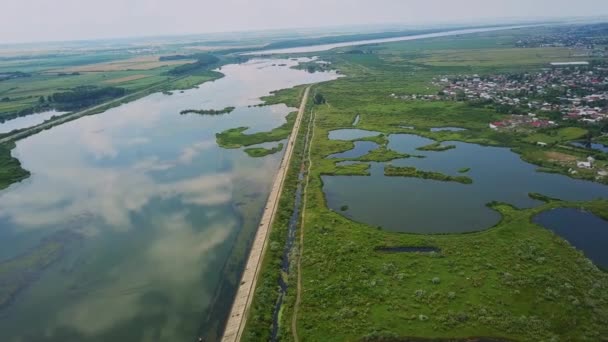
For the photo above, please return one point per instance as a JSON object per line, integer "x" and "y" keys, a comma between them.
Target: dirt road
{"x": 244, "y": 296}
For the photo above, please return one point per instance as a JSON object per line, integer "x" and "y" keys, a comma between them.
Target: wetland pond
{"x": 582, "y": 229}
{"x": 592, "y": 146}
{"x": 164, "y": 216}
{"x": 417, "y": 205}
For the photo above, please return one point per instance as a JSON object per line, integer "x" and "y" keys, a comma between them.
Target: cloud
{"x": 175, "y": 263}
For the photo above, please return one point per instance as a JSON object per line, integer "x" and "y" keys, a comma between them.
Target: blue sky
{"x": 42, "y": 20}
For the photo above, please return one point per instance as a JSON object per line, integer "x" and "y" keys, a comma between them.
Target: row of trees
{"x": 86, "y": 96}
{"x": 203, "y": 62}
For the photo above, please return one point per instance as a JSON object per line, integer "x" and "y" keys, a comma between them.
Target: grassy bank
{"x": 10, "y": 167}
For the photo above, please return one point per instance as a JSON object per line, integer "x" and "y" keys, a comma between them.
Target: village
{"x": 561, "y": 91}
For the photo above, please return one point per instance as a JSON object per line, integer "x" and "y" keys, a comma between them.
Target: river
{"x": 325, "y": 47}
{"x": 163, "y": 216}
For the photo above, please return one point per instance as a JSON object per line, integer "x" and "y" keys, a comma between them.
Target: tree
{"x": 319, "y": 99}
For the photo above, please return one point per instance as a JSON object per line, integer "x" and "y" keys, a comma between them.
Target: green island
{"x": 394, "y": 171}
{"x": 226, "y": 110}
{"x": 514, "y": 281}
{"x": 258, "y": 152}
{"x": 382, "y": 154}
{"x": 235, "y": 138}
{"x": 437, "y": 147}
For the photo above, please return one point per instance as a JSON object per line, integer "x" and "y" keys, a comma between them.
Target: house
{"x": 584, "y": 165}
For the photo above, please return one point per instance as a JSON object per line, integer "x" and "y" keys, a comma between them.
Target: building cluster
{"x": 588, "y": 40}
{"x": 573, "y": 90}
{"x": 513, "y": 122}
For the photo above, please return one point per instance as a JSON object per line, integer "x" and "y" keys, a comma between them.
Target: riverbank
{"x": 244, "y": 296}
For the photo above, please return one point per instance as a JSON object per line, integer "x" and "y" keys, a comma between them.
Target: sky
{"x": 53, "y": 20}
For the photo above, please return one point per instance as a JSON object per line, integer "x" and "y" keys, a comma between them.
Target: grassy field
{"x": 57, "y": 73}
{"x": 514, "y": 281}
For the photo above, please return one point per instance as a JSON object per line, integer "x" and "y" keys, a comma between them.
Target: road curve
{"x": 244, "y": 296}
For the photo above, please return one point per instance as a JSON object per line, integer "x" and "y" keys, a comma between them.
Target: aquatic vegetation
{"x": 437, "y": 147}
{"x": 18, "y": 273}
{"x": 226, "y": 110}
{"x": 258, "y": 152}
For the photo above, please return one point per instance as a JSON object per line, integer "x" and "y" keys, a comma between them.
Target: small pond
{"x": 582, "y": 229}
{"x": 428, "y": 206}
{"x": 592, "y": 146}
{"x": 361, "y": 148}
{"x": 404, "y": 249}
{"x": 351, "y": 134}
{"x": 448, "y": 129}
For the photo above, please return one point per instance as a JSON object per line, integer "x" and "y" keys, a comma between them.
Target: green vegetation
{"x": 514, "y": 281}
{"x": 82, "y": 97}
{"x": 394, "y": 171}
{"x": 291, "y": 97}
{"x": 437, "y": 147}
{"x": 235, "y": 138}
{"x": 10, "y": 168}
{"x": 553, "y": 136}
{"x": 382, "y": 154}
{"x": 258, "y": 152}
{"x": 226, "y": 110}
{"x": 203, "y": 63}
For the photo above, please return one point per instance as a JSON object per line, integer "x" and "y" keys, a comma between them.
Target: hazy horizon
{"x": 66, "y": 20}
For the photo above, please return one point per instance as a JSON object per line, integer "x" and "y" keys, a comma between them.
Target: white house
{"x": 584, "y": 165}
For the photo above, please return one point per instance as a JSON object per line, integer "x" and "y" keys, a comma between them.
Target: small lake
{"x": 27, "y": 121}
{"x": 325, "y": 47}
{"x": 593, "y": 146}
{"x": 412, "y": 205}
{"x": 584, "y": 230}
{"x": 351, "y": 134}
{"x": 165, "y": 216}
{"x": 361, "y": 148}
